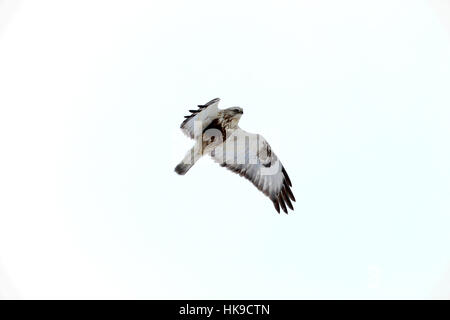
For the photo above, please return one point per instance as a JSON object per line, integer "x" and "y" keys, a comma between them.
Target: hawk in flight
{"x": 217, "y": 133}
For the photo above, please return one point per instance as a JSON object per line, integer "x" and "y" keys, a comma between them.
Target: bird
{"x": 217, "y": 133}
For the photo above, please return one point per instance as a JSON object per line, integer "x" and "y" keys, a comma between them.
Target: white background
{"x": 352, "y": 95}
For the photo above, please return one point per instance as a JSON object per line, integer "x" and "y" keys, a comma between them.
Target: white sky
{"x": 352, "y": 95}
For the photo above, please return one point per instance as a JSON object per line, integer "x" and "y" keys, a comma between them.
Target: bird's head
{"x": 234, "y": 113}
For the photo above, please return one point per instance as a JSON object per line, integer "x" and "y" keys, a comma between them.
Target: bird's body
{"x": 218, "y": 134}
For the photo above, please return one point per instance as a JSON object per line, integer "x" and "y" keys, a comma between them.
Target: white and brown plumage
{"x": 217, "y": 133}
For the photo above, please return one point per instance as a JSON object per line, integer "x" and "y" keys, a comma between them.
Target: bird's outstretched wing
{"x": 205, "y": 113}
{"x": 250, "y": 156}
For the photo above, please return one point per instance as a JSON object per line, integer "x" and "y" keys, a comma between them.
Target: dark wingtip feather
{"x": 286, "y": 176}
{"x": 276, "y": 205}
{"x": 289, "y": 192}
{"x": 282, "y": 204}
{"x": 286, "y": 199}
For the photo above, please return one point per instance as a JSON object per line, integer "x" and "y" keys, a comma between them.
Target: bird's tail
{"x": 188, "y": 161}
{"x": 182, "y": 168}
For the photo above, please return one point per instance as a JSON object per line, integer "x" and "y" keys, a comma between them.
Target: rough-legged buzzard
{"x": 217, "y": 133}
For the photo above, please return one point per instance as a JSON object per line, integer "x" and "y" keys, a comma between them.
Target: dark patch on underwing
{"x": 215, "y": 124}
{"x": 267, "y": 165}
